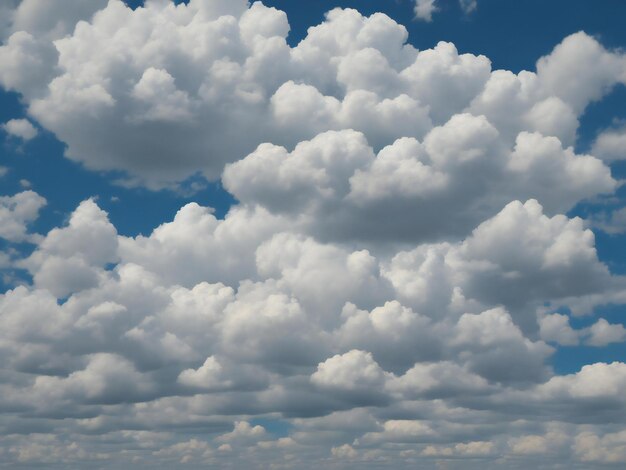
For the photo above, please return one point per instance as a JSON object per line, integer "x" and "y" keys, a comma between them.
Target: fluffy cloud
{"x": 389, "y": 288}
{"x": 338, "y": 188}
{"x": 603, "y": 333}
{"x": 593, "y": 383}
{"x": 611, "y": 145}
{"x": 21, "y": 128}
{"x": 424, "y": 9}
{"x": 158, "y": 93}
{"x": 16, "y": 212}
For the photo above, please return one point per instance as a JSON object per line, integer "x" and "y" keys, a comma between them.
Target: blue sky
{"x": 383, "y": 235}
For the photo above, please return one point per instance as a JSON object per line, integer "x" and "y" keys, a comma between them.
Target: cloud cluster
{"x": 280, "y": 326}
{"x": 219, "y": 78}
{"x": 389, "y": 289}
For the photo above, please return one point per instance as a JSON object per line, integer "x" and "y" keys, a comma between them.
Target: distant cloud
{"x": 21, "y": 128}
{"x": 468, "y": 6}
{"x": 610, "y": 145}
{"x": 424, "y": 9}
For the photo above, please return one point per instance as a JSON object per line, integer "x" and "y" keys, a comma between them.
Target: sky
{"x": 344, "y": 234}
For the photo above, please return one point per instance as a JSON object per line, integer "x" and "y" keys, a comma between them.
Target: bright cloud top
{"x": 389, "y": 289}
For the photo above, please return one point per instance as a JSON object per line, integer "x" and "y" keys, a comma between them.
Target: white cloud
{"x": 21, "y": 128}
{"x": 603, "y": 333}
{"x": 424, "y": 9}
{"x": 16, "y": 212}
{"x": 383, "y": 291}
{"x": 610, "y": 145}
{"x": 158, "y": 93}
{"x": 605, "y": 449}
{"x": 353, "y": 371}
{"x": 556, "y": 328}
{"x": 594, "y": 382}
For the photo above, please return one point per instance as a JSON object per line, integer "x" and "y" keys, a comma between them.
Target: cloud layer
{"x": 389, "y": 289}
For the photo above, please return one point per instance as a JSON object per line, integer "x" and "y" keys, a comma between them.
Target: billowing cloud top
{"x": 387, "y": 292}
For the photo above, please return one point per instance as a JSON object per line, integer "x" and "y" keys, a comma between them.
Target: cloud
{"x": 468, "y": 6}
{"x": 388, "y": 289}
{"x": 338, "y": 188}
{"x": 424, "y": 9}
{"x": 610, "y": 145}
{"x": 606, "y": 449}
{"x": 16, "y": 212}
{"x": 594, "y": 382}
{"x": 21, "y": 128}
{"x": 556, "y": 328}
{"x": 603, "y": 333}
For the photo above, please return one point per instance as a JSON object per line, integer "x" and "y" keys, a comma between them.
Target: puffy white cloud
{"x": 42, "y": 19}
{"x": 345, "y": 451}
{"x": 399, "y": 430}
{"x": 355, "y": 371}
{"x": 605, "y": 449}
{"x": 596, "y": 70}
{"x": 476, "y": 448}
{"x": 337, "y": 188}
{"x": 243, "y": 434}
{"x": 21, "y": 128}
{"x": 307, "y": 328}
{"x": 594, "y": 382}
{"x": 556, "y": 327}
{"x": 424, "y": 9}
{"x": 158, "y": 93}
{"x": 440, "y": 379}
{"x": 213, "y": 376}
{"x": 549, "y": 443}
{"x": 72, "y": 258}
{"x": 611, "y": 145}
{"x": 16, "y": 212}
{"x": 602, "y": 333}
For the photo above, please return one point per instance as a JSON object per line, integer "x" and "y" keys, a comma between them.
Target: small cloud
{"x": 21, "y": 128}
{"x": 26, "y": 184}
{"x": 424, "y": 9}
{"x": 604, "y": 333}
{"x": 3, "y": 171}
{"x": 610, "y": 145}
{"x": 468, "y": 6}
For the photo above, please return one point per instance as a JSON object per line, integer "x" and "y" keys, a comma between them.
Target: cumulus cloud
{"x": 221, "y": 100}
{"x": 610, "y": 145}
{"x": 16, "y": 212}
{"x": 602, "y": 333}
{"x": 306, "y": 329}
{"x": 389, "y": 288}
{"x": 21, "y": 128}
{"x": 424, "y": 9}
{"x": 338, "y": 188}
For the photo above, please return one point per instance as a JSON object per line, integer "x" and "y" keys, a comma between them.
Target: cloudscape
{"x": 312, "y": 234}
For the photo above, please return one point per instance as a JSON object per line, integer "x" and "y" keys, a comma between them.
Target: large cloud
{"x": 388, "y": 291}
{"x": 219, "y": 78}
{"x": 304, "y": 329}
